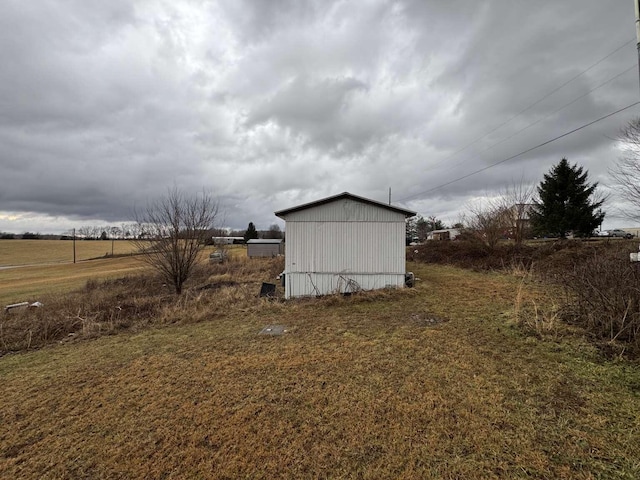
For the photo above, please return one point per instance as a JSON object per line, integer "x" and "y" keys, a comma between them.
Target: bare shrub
{"x": 605, "y": 296}
{"x": 489, "y": 222}
{"x": 475, "y": 255}
{"x": 176, "y": 229}
{"x": 626, "y": 171}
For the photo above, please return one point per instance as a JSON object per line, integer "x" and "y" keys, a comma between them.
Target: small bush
{"x": 604, "y": 292}
{"x": 473, "y": 254}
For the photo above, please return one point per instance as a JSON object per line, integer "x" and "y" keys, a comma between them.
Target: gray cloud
{"x": 267, "y": 104}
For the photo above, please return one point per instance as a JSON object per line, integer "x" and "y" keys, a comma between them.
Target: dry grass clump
{"x": 246, "y": 269}
{"x": 134, "y": 302}
{"x": 600, "y": 288}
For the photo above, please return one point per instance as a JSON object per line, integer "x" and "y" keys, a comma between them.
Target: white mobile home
{"x": 342, "y": 244}
{"x": 446, "y": 234}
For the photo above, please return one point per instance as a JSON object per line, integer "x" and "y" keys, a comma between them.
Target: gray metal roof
{"x": 340, "y": 196}
{"x": 265, "y": 240}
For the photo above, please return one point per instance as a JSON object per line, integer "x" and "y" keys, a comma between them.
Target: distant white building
{"x": 342, "y": 244}
{"x": 228, "y": 240}
{"x": 446, "y": 234}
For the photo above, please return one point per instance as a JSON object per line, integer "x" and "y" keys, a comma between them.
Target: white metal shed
{"x": 343, "y": 243}
{"x": 265, "y": 247}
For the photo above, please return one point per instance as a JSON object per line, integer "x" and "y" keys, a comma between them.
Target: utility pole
{"x": 74, "y": 245}
{"x": 390, "y": 187}
{"x": 637, "y": 7}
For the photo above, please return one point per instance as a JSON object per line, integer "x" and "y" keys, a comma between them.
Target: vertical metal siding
{"x": 263, "y": 249}
{"x": 357, "y": 247}
{"x": 313, "y": 284}
{"x": 332, "y": 244}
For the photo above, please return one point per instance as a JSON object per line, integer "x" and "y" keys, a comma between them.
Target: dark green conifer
{"x": 565, "y": 203}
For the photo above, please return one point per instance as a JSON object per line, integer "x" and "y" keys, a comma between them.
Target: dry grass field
{"x": 433, "y": 382}
{"x": 30, "y": 282}
{"x": 35, "y": 252}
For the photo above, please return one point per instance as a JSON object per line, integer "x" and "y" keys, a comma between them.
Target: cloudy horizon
{"x": 266, "y": 105}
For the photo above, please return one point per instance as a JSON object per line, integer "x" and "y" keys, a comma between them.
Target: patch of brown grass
{"x": 358, "y": 387}
{"x": 136, "y": 301}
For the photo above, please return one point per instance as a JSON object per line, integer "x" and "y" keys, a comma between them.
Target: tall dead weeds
{"x": 135, "y": 302}
{"x": 599, "y": 287}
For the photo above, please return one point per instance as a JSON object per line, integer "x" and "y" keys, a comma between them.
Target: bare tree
{"x": 84, "y": 232}
{"x": 176, "y": 228}
{"x": 517, "y": 200}
{"x": 273, "y": 232}
{"x": 626, "y": 171}
{"x": 489, "y": 221}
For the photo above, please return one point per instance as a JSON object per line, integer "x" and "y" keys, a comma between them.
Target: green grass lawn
{"x": 432, "y": 382}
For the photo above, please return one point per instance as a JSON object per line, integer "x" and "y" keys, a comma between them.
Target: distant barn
{"x": 342, "y": 244}
{"x": 263, "y": 247}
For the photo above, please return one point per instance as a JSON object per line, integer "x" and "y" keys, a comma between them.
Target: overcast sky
{"x": 269, "y": 104}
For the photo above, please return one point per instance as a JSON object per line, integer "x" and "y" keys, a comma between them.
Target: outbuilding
{"x": 342, "y": 244}
{"x": 446, "y": 234}
{"x": 265, "y": 247}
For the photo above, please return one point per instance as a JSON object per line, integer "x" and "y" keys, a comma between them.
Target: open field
{"x": 33, "y": 252}
{"x": 29, "y": 283}
{"x": 431, "y": 382}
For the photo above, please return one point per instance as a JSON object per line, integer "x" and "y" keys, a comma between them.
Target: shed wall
{"x": 264, "y": 249}
{"x": 345, "y": 247}
{"x": 313, "y": 284}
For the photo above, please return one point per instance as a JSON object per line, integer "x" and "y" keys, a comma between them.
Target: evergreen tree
{"x": 251, "y": 232}
{"x": 564, "y": 203}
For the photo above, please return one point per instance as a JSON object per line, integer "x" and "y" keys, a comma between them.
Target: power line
{"x": 537, "y": 101}
{"x": 519, "y": 154}
{"x": 552, "y": 113}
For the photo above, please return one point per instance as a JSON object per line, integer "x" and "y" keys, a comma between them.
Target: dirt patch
{"x": 426, "y": 320}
